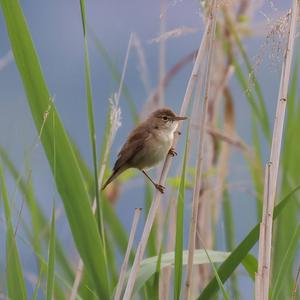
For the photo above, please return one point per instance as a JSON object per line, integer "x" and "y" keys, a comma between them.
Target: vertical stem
{"x": 164, "y": 173}
{"x": 197, "y": 184}
{"x": 262, "y": 279}
{"x": 120, "y": 284}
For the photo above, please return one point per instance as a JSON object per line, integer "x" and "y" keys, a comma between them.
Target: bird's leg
{"x": 172, "y": 151}
{"x": 157, "y": 186}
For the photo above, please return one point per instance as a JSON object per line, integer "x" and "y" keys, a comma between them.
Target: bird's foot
{"x": 160, "y": 187}
{"x": 172, "y": 151}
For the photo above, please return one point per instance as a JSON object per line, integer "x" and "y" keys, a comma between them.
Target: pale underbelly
{"x": 151, "y": 155}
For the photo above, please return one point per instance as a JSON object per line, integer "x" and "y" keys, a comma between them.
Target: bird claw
{"x": 160, "y": 187}
{"x": 172, "y": 152}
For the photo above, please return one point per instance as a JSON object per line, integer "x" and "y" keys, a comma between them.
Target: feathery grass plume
{"x": 166, "y": 167}
{"x": 196, "y": 191}
{"x": 262, "y": 279}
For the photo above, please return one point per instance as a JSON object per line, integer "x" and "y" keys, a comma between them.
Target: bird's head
{"x": 165, "y": 119}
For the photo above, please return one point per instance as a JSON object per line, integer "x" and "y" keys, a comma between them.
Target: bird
{"x": 147, "y": 145}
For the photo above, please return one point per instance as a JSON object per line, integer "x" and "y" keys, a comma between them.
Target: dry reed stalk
{"x": 262, "y": 279}
{"x": 197, "y": 185}
{"x": 165, "y": 277}
{"x": 165, "y": 170}
{"x": 136, "y": 216}
{"x": 230, "y": 138}
{"x": 115, "y": 124}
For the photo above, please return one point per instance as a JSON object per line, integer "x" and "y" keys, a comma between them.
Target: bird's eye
{"x": 165, "y": 118}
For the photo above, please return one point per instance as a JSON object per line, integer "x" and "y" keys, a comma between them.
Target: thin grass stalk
{"x": 111, "y": 135}
{"x": 136, "y": 216}
{"x": 297, "y": 280}
{"x": 197, "y": 185}
{"x": 162, "y": 51}
{"x": 262, "y": 279}
{"x": 165, "y": 170}
{"x": 92, "y": 132}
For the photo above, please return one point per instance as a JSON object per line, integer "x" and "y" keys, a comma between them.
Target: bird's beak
{"x": 178, "y": 118}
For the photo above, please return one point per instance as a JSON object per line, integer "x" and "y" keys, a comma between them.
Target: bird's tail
{"x": 114, "y": 175}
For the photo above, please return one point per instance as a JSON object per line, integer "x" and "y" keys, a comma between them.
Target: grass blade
{"x": 51, "y": 258}
{"x": 68, "y": 178}
{"x": 14, "y": 273}
{"x": 90, "y": 108}
{"x": 230, "y": 234}
{"x": 285, "y": 263}
{"x": 225, "y": 295}
{"x": 38, "y": 219}
{"x": 37, "y": 286}
{"x": 179, "y": 226}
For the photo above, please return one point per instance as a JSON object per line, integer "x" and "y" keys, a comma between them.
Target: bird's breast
{"x": 154, "y": 151}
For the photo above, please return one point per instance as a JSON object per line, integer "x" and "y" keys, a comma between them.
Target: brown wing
{"x": 134, "y": 144}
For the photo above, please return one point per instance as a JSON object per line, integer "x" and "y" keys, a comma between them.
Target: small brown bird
{"x": 148, "y": 144}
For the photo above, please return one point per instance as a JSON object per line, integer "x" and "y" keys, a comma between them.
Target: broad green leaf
{"x": 148, "y": 266}
{"x": 14, "y": 273}
{"x": 68, "y": 177}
